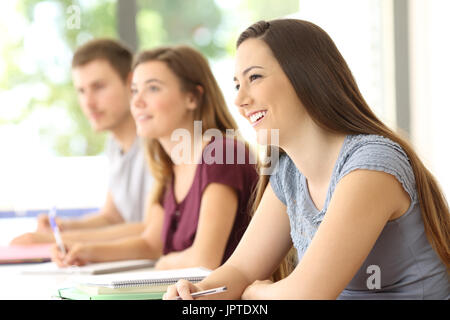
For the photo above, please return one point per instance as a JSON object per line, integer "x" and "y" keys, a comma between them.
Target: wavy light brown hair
{"x": 192, "y": 70}
{"x": 326, "y": 87}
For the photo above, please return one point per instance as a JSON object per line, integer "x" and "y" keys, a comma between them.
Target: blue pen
{"x": 56, "y": 233}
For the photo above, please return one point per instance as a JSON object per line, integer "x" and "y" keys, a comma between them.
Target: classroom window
{"x": 42, "y": 129}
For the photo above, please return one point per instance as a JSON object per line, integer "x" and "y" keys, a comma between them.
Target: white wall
{"x": 42, "y": 182}
{"x": 430, "y": 52}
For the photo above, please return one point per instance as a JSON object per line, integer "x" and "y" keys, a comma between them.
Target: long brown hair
{"x": 326, "y": 87}
{"x": 192, "y": 70}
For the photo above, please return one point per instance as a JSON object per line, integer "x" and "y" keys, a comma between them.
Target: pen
{"x": 205, "y": 292}
{"x": 59, "y": 242}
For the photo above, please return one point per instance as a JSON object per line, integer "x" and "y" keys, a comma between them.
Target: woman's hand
{"x": 182, "y": 288}
{"x": 78, "y": 254}
{"x": 170, "y": 261}
{"x": 163, "y": 263}
{"x": 256, "y": 290}
{"x": 43, "y": 223}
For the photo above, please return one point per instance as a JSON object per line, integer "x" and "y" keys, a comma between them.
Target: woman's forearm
{"x": 104, "y": 234}
{"x": 124, "y": 249}
{"x": 89, "y": 221}
{"x": 229, "y": 276}
{"x": 187, "y": 258}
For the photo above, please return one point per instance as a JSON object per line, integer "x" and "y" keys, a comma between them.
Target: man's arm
{"x": 84, "y": 229}
{"x": 108, "y": 215}
{"x": 107, "y": 233}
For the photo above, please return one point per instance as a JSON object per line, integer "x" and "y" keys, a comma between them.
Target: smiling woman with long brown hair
{"x": 198, "y": 210}
{"x": 366, "y": 218}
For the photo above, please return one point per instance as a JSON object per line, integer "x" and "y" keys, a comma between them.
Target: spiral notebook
{"x": 142, "y": 282}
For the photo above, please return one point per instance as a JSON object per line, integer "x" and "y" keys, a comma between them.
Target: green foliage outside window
{"x": 204, "y": 24}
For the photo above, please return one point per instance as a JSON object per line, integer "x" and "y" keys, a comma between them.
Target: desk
{"x": 17, "y": 286}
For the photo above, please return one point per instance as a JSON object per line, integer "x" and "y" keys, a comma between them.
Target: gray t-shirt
{"x": 129, "y": 180}
{"x": 408, "y": 266}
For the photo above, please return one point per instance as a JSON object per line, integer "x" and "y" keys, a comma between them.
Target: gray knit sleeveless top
{"x": 407, "y": 266}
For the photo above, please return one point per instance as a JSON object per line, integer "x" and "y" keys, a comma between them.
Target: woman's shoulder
{"x": 377, "y": 153}
{"x": 227, "y": 158}
{"x": 229, "y": 150}
{"x": 361, "y": 140}
{"x": 369, "y": 148}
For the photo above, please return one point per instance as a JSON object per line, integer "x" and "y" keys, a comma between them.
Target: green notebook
{"x": 76, "y": 294}
{"x": 130, "y": 286}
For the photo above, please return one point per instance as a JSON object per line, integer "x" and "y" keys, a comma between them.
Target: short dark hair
{"x": 115, "y": 53}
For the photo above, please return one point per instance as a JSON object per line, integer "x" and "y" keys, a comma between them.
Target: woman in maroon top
{"x": 182, "y": 217}
{"x": 203, "y": 184}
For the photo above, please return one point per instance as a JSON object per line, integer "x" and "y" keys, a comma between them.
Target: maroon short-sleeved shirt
{"x": 181, "y": 219}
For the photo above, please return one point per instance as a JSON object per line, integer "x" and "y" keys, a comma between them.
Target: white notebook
{"x": 92, "y": 268}
{"x": 151, "y": 281}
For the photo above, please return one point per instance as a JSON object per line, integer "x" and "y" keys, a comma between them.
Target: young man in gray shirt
{"x": 101, "y": 72}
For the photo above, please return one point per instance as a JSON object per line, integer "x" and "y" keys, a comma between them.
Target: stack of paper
{"x": 92, "y": 268}
{"x": 131, "y": 286}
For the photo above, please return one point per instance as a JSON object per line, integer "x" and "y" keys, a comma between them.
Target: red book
{"x": 25, "y": 253}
